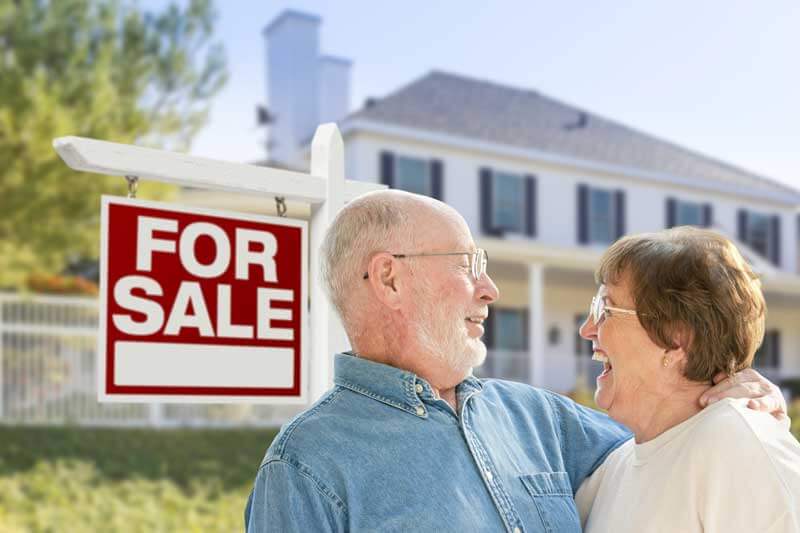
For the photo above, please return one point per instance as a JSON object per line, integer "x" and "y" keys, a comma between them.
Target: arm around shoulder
{"x": 287, "y": 497}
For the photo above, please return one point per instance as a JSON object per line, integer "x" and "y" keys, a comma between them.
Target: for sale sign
{"x": 200, "y": 305}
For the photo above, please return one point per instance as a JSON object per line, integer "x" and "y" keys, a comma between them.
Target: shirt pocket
{"x": 552, "y": 496}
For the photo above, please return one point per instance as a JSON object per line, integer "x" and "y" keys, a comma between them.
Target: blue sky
{"x": 720, "y": 77}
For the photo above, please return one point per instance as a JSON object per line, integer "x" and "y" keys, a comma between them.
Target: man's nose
{"x": 486, "y": 289}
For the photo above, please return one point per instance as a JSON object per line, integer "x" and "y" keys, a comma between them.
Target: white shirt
{"x": 727, "y": 469}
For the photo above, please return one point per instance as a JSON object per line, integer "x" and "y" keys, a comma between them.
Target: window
{"x": 601, "y": 215}
{"x": 508, "y": 203}
{"x": 508, "y": 198}
{"x": 509, "y": 329}
{"x": 684, "y": 213}
{"x": 761, "y": 232}
{"x": 412, "y": 174}
{"x": 768, "y": 356}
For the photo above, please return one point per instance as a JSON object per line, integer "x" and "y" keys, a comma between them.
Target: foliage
{"x": 60, "y": 284}
{"x": 794, "y": 414}
{"x": 93, "y": 68}
{"x": 126, "y": 480}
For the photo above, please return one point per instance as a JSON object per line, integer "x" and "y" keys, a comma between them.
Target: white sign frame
{"x": 103, "y": 396}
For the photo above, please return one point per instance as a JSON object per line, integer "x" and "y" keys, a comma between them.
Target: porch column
{"x": 536, "y": 323}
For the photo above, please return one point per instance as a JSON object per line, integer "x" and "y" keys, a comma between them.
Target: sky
{"x": 719, "y": 77}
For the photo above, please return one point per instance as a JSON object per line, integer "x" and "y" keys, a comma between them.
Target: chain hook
{"x": 133, "y": 184}
{"x": 280, "y": 205}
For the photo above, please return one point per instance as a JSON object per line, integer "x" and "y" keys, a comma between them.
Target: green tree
{"x": 95, "y": 68}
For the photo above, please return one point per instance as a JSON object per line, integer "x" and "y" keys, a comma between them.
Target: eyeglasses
{"x": 599, "y": 311}
{"x": 478, "y": 260}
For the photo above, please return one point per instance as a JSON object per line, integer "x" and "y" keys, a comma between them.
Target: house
{"x": 545, "y": 187}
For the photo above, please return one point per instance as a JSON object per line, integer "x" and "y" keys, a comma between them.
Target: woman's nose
{"x": 588, "y": 330}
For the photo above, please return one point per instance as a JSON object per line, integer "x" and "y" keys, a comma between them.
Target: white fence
{"x": 48, "y": 354}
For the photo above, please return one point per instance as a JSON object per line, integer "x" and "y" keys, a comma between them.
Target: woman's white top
{"x": 727, "y": 469}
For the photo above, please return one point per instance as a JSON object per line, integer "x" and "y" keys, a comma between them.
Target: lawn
{"x": 127, "y": 480}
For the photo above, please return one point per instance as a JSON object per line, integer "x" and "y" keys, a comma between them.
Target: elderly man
{"x": 407, "y": 439}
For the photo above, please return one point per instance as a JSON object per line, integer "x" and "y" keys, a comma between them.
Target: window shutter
{"x": 672, "y": 209}
{"x": 531, "y": 207}
{"x": 436, "y": 178}
{"x": 583, "y": 214}
{"x": 741, "y": 225}
{"x": 776, "y": 347}
{"x": 525, "y": 330}
{"x": 387, "y": 169}
{"x": 708, "y": 215}
{"x": 578, "y": 339}
{"x": 620, "y": 207}
{"x": 488, "y": 330}
{"x": 775, "y": 238}
{"x": 486, "y": 202}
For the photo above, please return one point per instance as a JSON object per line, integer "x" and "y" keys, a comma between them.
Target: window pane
{"x": 412, "y": 175}
{"x": 509, "y": 332}
{"x": 601, "y": 216}
{"x": 508, "y": 195}
{"x": 758, "y": 233}
{"x": 688, "y": 214}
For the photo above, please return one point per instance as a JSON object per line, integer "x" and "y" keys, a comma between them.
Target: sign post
{"x": 186, "y": 271}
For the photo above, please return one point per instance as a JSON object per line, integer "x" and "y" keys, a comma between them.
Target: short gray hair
{"x": 371, "y": 223}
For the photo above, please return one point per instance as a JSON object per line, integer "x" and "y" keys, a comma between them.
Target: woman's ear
{"x": 383, "y": 274}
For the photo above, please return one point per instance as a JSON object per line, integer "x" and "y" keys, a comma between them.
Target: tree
{"x": 103, "y": 69}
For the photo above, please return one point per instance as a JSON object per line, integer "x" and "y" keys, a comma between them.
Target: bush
{"x": 126, "y": 480}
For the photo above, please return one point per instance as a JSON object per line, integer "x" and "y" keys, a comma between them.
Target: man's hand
{"x": 764, "y": 395}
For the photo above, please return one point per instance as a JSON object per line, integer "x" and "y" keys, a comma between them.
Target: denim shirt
{"x": 380, "y": 452}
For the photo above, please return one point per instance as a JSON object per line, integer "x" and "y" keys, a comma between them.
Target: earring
{"x": 665, "y": 361}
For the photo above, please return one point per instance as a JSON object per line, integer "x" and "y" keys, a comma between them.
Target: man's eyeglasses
{"x": 599, "y": 311}
{"x": 478, "y": 260}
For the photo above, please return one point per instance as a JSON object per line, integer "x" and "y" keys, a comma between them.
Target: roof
{"x": 482, "y": 110}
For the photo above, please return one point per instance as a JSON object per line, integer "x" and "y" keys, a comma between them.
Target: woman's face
{"x": 632, "y": 362}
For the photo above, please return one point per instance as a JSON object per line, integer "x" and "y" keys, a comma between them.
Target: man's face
{"x": 449, "y": 305}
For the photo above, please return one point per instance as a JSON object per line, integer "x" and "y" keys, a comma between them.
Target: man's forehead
{"x": 442, "y": 231}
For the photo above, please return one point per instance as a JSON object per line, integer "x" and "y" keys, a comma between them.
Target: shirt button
{"x": 488, "y": 475}
{"x": 419, "y": 388}
{"x": 420, "y": 411}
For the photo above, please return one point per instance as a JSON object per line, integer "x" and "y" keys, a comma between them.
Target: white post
{"x": 327, "y": 161}
{"x": 536, "y": 323}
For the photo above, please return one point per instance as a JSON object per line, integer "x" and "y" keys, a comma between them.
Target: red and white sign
{"x": 199, "y": 305}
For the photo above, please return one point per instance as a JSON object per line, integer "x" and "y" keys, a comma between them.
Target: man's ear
{"x": 383, "y": 279}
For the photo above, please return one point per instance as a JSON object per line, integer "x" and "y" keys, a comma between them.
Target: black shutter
{"x": 776, "y": 347}
{"x": 620, "y": 207}
{"x": 741, "y": 225}
{"x": 487, "y": 203}
{"x": 387, "y": 169}
{"x": 775, "y": 240}
{"x": 531, "y": 207}
{"x": 578, "y": 339}
{"x": 672, "y": 208}
{"x": 525, "y": 330}
{"x": 488, "y": 329}
{"x": 708, "y": 215}
{"x": 436, "y": 178}
{"x": 583, "y": 214}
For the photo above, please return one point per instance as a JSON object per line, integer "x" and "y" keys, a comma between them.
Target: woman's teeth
{"x": 599, "y": 356}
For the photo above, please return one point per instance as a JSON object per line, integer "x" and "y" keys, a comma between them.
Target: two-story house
{"x": 545, "y": 187}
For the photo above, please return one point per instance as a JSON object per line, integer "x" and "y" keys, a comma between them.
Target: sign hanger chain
{"x": 133, "y": 184}
{"x": 280, "y": 205}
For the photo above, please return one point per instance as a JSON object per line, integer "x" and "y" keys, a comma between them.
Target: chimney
{"x": 292, "y": 41}
{"x": 304, "y": 88}
{"x": 334, "y": 88}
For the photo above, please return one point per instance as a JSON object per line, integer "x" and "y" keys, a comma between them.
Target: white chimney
{"x": 292, "y": 41}
{"x": 334, "y": 88}
{"x": 304, "y": 89}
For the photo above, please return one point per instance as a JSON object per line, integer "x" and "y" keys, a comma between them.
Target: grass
{"x": 126, "y": 480}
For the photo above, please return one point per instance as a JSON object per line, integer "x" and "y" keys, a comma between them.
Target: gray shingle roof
{"x": 478, "y": 109}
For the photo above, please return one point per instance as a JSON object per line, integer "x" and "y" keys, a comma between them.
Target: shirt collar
{"x": 393, "y": 386}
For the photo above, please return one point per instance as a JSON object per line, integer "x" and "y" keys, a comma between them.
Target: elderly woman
{"x": 673, "y": 310}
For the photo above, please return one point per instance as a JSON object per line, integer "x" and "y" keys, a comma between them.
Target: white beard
{"x": 442, "y": 332}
